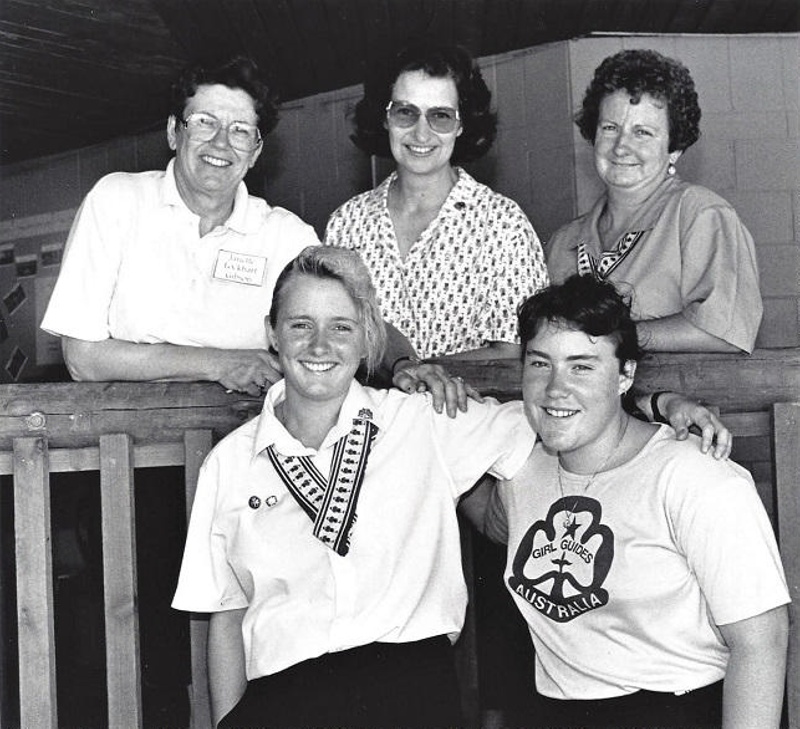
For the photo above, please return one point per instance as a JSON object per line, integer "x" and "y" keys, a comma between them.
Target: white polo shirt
{"x": 136, "y": 268}
{"x": 401, "y": 580}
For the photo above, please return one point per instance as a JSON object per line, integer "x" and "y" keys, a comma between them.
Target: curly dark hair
{"x": 587, "y": 304}
{"x": 237, "y": 72}
{"x": 645, "y": 72}
{"x": 479, "y": 124}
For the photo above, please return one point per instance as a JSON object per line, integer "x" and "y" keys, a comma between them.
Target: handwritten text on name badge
{"x": 240, "y": 267}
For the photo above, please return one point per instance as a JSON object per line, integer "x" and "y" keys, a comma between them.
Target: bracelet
{"x": 658, "y": 416}
{"x": 412, "y": 360}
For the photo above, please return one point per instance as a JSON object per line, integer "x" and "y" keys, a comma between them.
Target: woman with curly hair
{"x": 680, "y": 248}
{"x": 451, "y": 259}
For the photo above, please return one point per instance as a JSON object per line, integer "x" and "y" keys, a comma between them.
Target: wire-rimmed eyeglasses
{"x": 203, "y": 127}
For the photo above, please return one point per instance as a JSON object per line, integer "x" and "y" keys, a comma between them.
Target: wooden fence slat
{"x": 75, "y": 430}
{"x": 66, "y": 460}
{"x": 744, "y": 425}
{"x": 466, "y": 650}
{"x": 119, "y": 582}
{"x": 197, "y": 444}
{"x": 786, "y": 447}
{"x": 35, "y": 615}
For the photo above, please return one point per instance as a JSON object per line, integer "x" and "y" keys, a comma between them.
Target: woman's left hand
{"x": 449, "y": 392}
{"x": 682, "y": 412}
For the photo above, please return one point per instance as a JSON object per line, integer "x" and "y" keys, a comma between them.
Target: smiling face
{"x": 631, "y": 145}
{"x": 419, "y": 149}
{"x": 571, "y": 385}
{"x": 319, "y": 338}
{"x": 212, "y": 168}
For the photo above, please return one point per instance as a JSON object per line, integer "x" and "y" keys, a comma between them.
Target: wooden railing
{"x": 114, "y": 428}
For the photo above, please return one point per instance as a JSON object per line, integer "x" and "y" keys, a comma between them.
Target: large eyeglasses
{"x": 442, "y": 119}
{"x": 203, "y": 127}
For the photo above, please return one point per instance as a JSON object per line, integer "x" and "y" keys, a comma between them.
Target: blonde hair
{"x": 346, "y": 267}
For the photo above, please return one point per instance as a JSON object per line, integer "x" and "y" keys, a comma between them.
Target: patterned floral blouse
{"x": 463, "y": 278}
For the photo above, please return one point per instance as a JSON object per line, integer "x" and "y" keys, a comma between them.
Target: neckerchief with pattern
{"x": 330, "y": 503}
{"x": 609, "y": 260}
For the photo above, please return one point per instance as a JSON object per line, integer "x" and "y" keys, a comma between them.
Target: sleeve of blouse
{"x": 719, "y": 274}
{"x": 560, "y": 255}
{"x": 519, "y": 271}
{"x": 80, "y": 303}
{"x": 337, "y": 230}
{"x": 206, "y": 582}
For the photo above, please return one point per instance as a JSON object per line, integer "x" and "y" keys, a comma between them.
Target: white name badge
{"x": 240, "y": 268}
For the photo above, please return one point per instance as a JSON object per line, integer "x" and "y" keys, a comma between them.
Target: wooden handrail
{"x": 731, "y": 382}
{"x": 115, "y": 427}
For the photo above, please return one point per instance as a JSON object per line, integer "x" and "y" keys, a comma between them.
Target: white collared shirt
{"x": 136, "y": 268}
{"x": 401, "y": 580}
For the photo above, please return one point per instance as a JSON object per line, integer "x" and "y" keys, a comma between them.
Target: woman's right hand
{"x": 246, "y": 370}
{"x": 448, "y": 391}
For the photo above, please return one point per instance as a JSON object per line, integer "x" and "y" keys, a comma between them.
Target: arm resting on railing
{"x": 242, "y": 370}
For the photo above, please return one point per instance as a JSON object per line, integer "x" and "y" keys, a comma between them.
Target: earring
{"x": 671, "y": 169}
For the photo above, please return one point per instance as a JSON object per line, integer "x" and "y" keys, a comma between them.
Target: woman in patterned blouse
{"x": 451, "y": 259}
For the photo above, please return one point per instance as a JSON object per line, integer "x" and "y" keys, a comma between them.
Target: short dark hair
{"x": 587, "y": 304}
{"x": 237, "y": 72}
{"x": 645, "y": 72}
{"x": 478, "y": 122}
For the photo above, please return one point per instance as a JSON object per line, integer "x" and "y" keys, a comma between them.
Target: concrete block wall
{"x": 749, "y": 151}
{"x": 311, "y": 166}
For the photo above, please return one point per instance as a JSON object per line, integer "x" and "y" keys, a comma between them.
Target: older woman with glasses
{"x": 167, "y": 275}
{"x": 451, "y": 259}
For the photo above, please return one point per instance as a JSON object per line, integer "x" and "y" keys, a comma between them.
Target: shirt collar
{"x": 587, "y": 230}
{"x": 170, "y": 195}
{"x": 270, "y": 431}
{"x": 460, "y": 195}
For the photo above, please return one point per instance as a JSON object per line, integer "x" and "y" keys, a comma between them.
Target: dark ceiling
{"x": 77, "y": 72}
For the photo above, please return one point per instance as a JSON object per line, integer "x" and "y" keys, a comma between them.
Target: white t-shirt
{"x": 662, "y": 550}
{"x": 136, "y": 268}
{"x": 402, "y": 578}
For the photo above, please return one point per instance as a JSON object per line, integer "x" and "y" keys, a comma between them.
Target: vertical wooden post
{"x": 467, "y": 645}
{"x": 35, "y": 614}
{"x": 119, "y": 582}
{"x": 786, "y": 447}
{"x": 197, "y": 444}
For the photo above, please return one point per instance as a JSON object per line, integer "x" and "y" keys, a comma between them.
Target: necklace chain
{"x": 570, "y": 517}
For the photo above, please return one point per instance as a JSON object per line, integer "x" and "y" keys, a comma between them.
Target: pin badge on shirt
{"x": 255, "y": 502}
